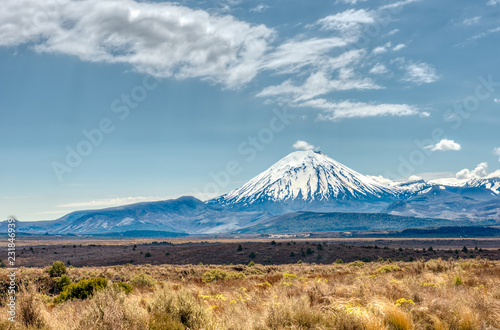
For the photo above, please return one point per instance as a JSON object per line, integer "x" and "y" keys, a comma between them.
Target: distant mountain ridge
{"x": 304, "y": 185}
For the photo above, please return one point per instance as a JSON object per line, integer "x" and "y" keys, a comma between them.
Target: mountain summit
{"x": 307, "y": 177}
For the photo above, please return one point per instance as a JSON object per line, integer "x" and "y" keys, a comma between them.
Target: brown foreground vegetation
{"x": 433, "y": 294}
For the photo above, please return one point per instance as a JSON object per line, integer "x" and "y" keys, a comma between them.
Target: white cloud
{"x": 496, "y": 100}
{"x": 382, "y": 49}
{"x": 295, "y": 54}
{"x": 480, "y": 171}
{"x": 303, "y": 145}
{"x": 414, "y": 178}
{"x": 379, "y": 69}
{"x": 496, "y": 151}
{"x": 471, "y": 20}
{"x": 445, "y": 145}
{"x": 347, "y": 22}
{"x": 399, "y": 4}
{"x": 398, "y": 47}
{"x": 393, "y": 32}
{"x": 162, "y": 39}
{"x": 317, "y": 84}
{"x": 113, "y": 201}
{"x": 420, "y": 73}
{"x": 493, "y": 2}
{"x": 352, "y": 2}
{"x": 382, "y": 180}
{"x": 260, "y": 8}
{"x": 347, "y": 109}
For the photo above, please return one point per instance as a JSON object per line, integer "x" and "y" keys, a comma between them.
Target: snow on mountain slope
{"x": 308, "y": 176}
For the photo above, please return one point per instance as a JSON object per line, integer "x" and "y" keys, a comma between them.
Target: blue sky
{"x": 110, "y": 102}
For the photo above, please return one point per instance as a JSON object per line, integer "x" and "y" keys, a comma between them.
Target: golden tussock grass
{"x": 400, "y": 295}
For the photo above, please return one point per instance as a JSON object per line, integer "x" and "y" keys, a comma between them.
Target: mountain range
{"x": 304, "y": 191}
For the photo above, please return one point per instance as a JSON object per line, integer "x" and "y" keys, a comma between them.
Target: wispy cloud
{"x": 113, "y": 201}
{"x": 347, "y": 22}
{"x": 445, "y": 145}
{"x": 493, "y": 2}
{"x": 419, "y": 73}
{"x": 318, "y": 84}
{"x": 471, "y": 20}
{"x": 351, "y": 2}
{"x": 347, "y": 109}
{"x": 303, "y": 145}
{"x": 260, "y": 8}
{"x": 381, "y": 49}
{"x": 379, "y": 69}
{"x": 399, "y": 47}
{"x": 496, "y": 151}
{"x": 398, "y": 4}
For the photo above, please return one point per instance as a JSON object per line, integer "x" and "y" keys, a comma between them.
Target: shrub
{"x": 273, "y": 242}
{"x": 339, "y": 261}
{"x": 309, "y": 251}
{"x": 252, "y": 255}
{"x": 29, "y": 311}
{"x": 109, "y": 309}
{"x": 458, "y": 281}
{"x": 388, "y": 269}
{"x": 214, "y": 275}
{"x": 251, "y": 263}
{"x": 292, "y": 254}
{"x": 63, "y": 282}
{"x": 57, "y": 269}
{"x": 319, "y": 247}
{"x": 127, "y": 288}
{"x": 357, "y": 263}
{"x": 299, "y": 262}
{"x": 2, "y": 264}
{"x": 82, "y": 290}
{"x": 147, "y": 255}
{"x": 181, "y": 306}
{"x": 240, "y": 248}
{"x": 143, "y": 280}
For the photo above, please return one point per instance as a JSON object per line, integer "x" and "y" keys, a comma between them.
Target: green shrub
{"x": 214, "y": 275}
{"x": 143, "y": 280}
{"x": 357, "y": 263}
{"x": 252, "y": 255}
{"x": 82, "y": 290}
{"x": 57, "y": 269}
{"x": 388, "y": 269}
{"x": 319, "y": 247}
{"x": 63, "y": 282}
{"x": 148, "y": 255}
{"x": 458, "y": 281}
{"x": 339, "y": 261}
{"x": 251, "y": 263}
{"x": 240, "y": 248}
{"x": 127, "y": 288}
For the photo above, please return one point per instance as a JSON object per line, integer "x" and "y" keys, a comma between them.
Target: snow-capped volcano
{"x": 307, "y": 176}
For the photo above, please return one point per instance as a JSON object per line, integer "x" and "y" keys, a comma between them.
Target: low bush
{"x": 82, "y": 290}
{"x": 143, "y": 281}
{"x": 57, "y": 269}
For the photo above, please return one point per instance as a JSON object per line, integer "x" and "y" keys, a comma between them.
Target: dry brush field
{"x": 433, "y": 294}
